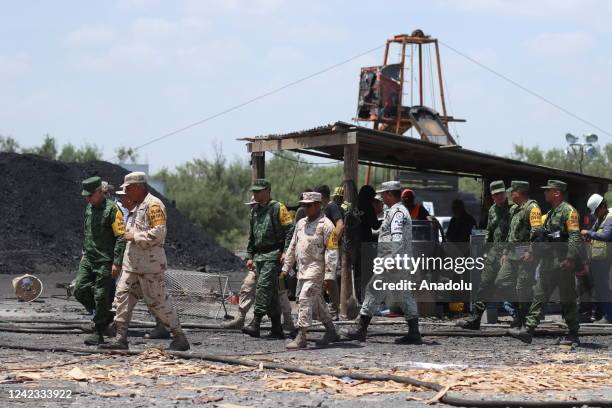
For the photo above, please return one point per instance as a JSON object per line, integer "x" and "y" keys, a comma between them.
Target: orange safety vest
{"x": 414, "y": 213}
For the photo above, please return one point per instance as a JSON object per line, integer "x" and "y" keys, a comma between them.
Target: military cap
{"x": 260, "y": 184}
{"x": 497, "y": 186}
{"x": 310, "y": 197}
{"x": 338, "y": 192}
{"x": 519, "y": 185}
{"x": 556, "y": 184}
{"x": 90, "y": 185}
{"x": 378, "y": 197}
{"x": 136, "y": 177}
{"x": 389, "y": 186}
{"x": 120, "y": 192}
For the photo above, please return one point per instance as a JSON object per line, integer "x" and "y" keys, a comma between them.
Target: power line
{"x": 525, "y": 89}
{"x": 256, "y": 98}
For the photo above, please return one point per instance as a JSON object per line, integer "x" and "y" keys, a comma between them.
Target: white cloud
{"x": 152, "y": 28}
{"x": 94, "y": 36}
{"x": 560, "y": 44}
{"x": 252, "y": 7}
{"x": 11, "y": 65}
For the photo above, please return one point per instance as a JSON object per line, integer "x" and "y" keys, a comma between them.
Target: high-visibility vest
{"x": 414, "y": 213}
{"x": 599, "y": 249}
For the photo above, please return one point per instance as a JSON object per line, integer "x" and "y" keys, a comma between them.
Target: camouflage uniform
{"x": 395, "y": 238}
{"x": 315, "y": 248}
{"x": 270, "y": 234}
{"x": 144, "y": 264}
{"x": 498, "y": 225}
{"x": 103, "y": 247}
{"x": 516, "y": 276}
{"x": 563, "y": 218}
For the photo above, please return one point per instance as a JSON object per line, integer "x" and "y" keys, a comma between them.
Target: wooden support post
{"x": 258, "y": 165}
{"x": 351, "y": 167}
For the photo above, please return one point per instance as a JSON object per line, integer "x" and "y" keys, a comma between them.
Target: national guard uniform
{"x": 271, "y": 228}
{"x": 144, "y": 265}
{"x": 562, "y": 230}
{"x": 516, "y": 276}
{"x": 498, "y": 225}
{"x": 103, "y": 248}
{"x": 394, "y": 238}
{"x": 315, "y": 248}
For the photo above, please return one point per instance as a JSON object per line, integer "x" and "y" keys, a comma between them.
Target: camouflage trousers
{"x": 312, "y": 303}
{"x": 266, "y": 291}
{"x": 373, "y": 298}
{"x": 514, "y": 283}
{"x": 549, "y": 279}
{"x": 151, "y": 287}
{"x": 92, "y": 287}
{"x": 249, "y": 288}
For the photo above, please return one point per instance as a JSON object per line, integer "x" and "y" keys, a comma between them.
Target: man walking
{"x": 558, "y": 266}
{"x": 102, "y": 257}
{"x": 144, "y": 265}
{"x": 394, "y": 239}
{"x": 498, "y": 225}
{"x": 271, "y": 228}
{"x": 315, "y": 248}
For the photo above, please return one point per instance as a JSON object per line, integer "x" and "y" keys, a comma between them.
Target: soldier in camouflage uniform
{"x": 269, "y": 236}
{"x": 102, "y": 256}
{"x": 498, "y": 225}
{"x": 144, "y": 265}
{"x": 247, "y": 298}
{"x": 315, "y": 248}
{"x": 395, "y": 238}
{"x": 516, "y": 276}
{"x": 558, "y": 265}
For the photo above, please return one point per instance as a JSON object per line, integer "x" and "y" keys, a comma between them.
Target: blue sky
{"x": 121, "y": 72}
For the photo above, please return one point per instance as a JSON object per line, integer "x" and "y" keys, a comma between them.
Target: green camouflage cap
{"x": 90, "y": 185}
{"x": 260, "y": 184}
{"x": 556, "y": 184}
{"x": 497, "y": 186}
{"x": 519, "y": 185}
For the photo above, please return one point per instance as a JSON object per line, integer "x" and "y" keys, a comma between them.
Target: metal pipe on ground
{"x": 444, "y": 398}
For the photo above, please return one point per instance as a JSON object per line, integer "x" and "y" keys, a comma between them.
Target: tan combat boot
{"x": 159, "y": 332}
{"x": 300, "y": 340}
{"x": 120, "y": 341}
{"x": 237, "y": 323}
{"x": 179, "y": 341}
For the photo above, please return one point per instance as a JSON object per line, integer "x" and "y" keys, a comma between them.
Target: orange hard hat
{"x": 407, "y": 193}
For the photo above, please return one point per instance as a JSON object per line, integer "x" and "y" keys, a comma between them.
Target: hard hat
{"x": 594, "y": 202}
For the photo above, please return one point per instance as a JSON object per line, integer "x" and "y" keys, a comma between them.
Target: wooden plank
{"x": 302, "y": 142}
{"x": 258, "y": 165}
{"x": 351, "y": 167}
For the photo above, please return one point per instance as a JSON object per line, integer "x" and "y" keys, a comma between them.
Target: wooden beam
{"x": 258, "y": 165}
{"x": 351, "y": 167}
{"x": 302, "y": 142}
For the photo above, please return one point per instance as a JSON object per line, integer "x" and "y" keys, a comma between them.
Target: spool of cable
{"x": 27, "y": 287}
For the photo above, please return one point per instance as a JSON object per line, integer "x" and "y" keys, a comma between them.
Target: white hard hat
{"x": 594, "y": 202}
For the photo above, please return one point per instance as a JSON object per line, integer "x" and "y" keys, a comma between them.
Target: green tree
{"x": 8, "y": 144}
{"x": 126, "y": 154}
{"x": 48, "y": 148}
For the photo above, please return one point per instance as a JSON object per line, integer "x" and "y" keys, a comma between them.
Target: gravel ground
{"x": 247, "y": 387}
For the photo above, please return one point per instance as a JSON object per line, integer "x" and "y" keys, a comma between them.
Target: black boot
{"x": 277, "y": 328}
{"x": 525, "y": 334}
{"x": 413, "y": 336}
{"x": 472, "y": 322}
{"x": 517, "y": 322}
{"x": 94, "y": 339}
{"x": 360, "y": 332}
{"x": 253, "y": 328}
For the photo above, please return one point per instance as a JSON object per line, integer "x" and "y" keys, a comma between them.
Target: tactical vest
{"x": 599, "y": 249}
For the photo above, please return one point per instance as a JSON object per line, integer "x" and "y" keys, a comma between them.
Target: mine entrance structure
{"x": 355, "y": 145}
{"x": 382, "y": 89}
